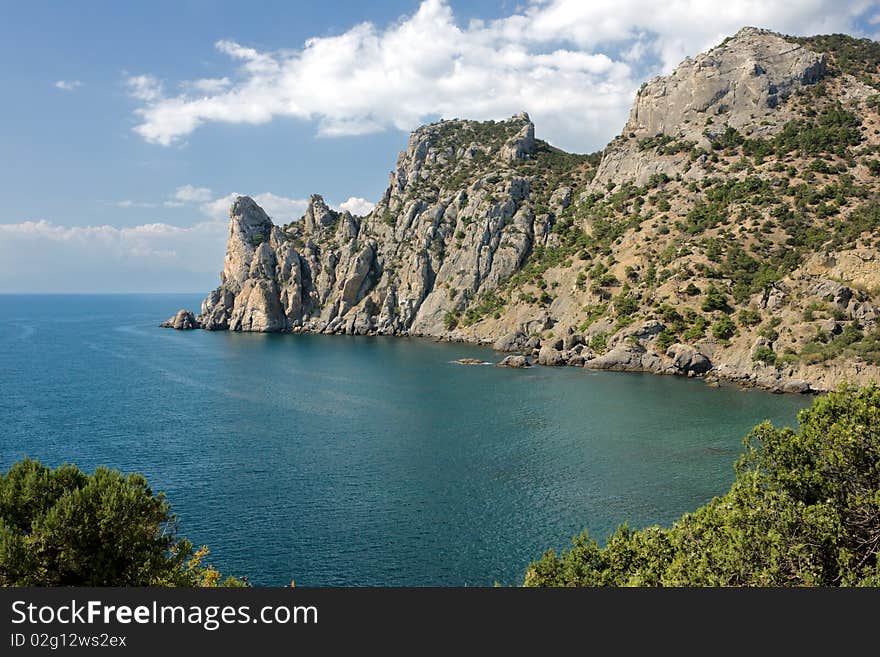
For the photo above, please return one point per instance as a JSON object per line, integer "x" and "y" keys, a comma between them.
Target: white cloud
{"x": 145, "y": 87}
{"x": 573, "y": 65}
{"x": 68, "y": 85}
{"x": 209, "y": 85}
{"x": 128, "y": 203}
{"x": 280, "y": 208}
{"x": 357, "y": 205}
{"x": 41, "y": 256}
{"x": 190, "y": 194}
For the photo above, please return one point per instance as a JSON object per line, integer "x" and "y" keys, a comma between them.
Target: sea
{"x": 360, "y": 461}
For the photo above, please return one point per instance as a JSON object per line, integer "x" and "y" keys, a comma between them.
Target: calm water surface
{"x": 354, "y": 460}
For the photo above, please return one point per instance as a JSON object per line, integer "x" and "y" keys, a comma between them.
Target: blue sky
{"x": 127, "y": 126}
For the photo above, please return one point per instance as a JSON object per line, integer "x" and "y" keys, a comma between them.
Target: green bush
{"x": 857, "y": 57}
{"x": 851, "y": 343}
{"x": 665, "y": 339}
{"x": 748, "y": 317}
{"x": 697, "y": 329}
{"x": 489, "y": 304}
{"x": 764, "y": 355}
{"x": 714, "y": 299}
{"x": 864, "y": 219}
{"x": 832, "y": 131}
{"x": 598, "y": 343}
{"x": 63, "y": 527}
{"x": 804, "y": 510}
{"x": 724, "y": 328}
{"x": 626, "y": 303}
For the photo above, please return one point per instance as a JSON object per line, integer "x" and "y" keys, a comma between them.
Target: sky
{"x": 127, "y": 128}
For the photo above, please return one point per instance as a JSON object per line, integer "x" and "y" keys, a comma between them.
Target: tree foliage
{"x": 63, "y": 527}
{"x": 804, "y": 510}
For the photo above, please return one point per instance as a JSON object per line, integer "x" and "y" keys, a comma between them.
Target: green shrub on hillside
{"x": 858, "y": 57}
{"x": 764, "y": 355}
{"x": 724, "y": 328}
{"x": 804, "y": 510}
{"x": 714, "y": 299}
{"x": 748, "y": 317}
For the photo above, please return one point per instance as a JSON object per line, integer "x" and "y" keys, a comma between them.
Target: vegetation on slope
{"x": 765, "y": 206}
{"x": 804, "y": 510}
{"x": 847, "y": 55}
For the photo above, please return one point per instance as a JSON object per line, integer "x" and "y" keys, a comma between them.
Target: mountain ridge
{"x": 728, "y": 232}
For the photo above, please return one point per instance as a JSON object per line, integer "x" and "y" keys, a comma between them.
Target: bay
{"x": 337, "y": 460}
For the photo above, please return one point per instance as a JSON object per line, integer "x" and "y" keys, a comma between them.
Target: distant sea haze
{"x": 337, "y": 460}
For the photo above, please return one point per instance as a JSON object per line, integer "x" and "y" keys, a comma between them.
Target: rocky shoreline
{"x": 523, "y": 352}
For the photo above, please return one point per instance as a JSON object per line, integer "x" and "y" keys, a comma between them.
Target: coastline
{"x": 794, "y": 379}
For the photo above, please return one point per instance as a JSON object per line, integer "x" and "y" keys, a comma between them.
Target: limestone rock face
{"x": 511, "y": 342}
{"x": 522, "y": 144}
{"x": 216, "y": 309}
{"x": 619, "y": 358}
{"x": 257, "y": 308}
{"x": 425, "y": 253}
{"x": 249, "y": 230}
{"x": 318, "y": 216}
{"x": 249, "y": 226}
{"x": 549, "y": 355}
{"x": 860, "y": 266}
{"x": 739, "y": 84}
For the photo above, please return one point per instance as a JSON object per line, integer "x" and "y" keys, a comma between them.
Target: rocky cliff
{"x": 729, "y": 231}
{"x": 743, "y": 83}
{"x": 457, "y": 220}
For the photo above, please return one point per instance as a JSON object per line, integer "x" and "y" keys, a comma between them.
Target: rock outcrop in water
{"x": 729, "y": 230}
{"x": 182, "y": 321}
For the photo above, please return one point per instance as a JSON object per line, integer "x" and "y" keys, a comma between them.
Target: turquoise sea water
{"x": 339, "y": 460}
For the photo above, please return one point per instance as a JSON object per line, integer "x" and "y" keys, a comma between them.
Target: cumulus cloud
{"x": 68, "y": 85}
{"x": 190, "y": 194}
{"x": 573, "y": 65}
{"x": 357, "y": 205}
{"x": 209, "y": 85}
{"x": 280, "y": 208}
{"x": 41, "y": 256}
{"x": 145, "y": 87}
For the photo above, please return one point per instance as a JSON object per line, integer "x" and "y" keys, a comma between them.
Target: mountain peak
{"x": 737, "y": 83}
{"x": 751, "y": 31}
{"x": 741, "y": 83}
